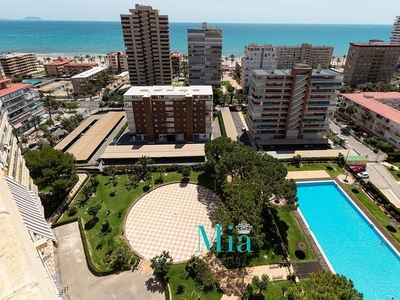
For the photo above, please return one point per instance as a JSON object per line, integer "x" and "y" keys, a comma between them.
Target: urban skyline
{"x": 287, "y": 11}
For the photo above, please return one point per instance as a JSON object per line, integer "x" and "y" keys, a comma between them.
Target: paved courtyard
{"x": 167, "y": 219}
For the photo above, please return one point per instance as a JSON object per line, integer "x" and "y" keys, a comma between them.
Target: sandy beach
{"x": 101, "y": 60}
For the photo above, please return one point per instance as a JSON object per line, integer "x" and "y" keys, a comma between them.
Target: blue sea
{"x": 95, "y": 38}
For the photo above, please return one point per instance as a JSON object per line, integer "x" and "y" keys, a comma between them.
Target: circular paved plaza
{"x": 167, "y": 219}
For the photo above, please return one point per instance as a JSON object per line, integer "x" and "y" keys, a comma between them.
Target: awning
{"x": 27, "y": 203}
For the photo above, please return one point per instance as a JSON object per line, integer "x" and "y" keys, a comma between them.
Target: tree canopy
{"x": 161, "y": 264}
{"x": 326, "y": 285}
{"x": 52, "y": 168}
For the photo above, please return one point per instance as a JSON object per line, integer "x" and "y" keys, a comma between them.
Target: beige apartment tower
{"x": 370, "y": 62}
{"x": 205, "y": 55}
{"x": 146, "y": 37}
{"x": 18, "y": 63}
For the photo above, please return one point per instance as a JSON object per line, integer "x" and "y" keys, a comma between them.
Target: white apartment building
{"x": 386, "y": 118}
{"x": 82, "y": 80}
{"x": 146, "y": 37}
{"x": 21, "y": 102}
{"x": 205, "y": 55}
{"x": 289, "y": 107}
{"x": 118, "y": 61}
{"x": 282, "y": 57}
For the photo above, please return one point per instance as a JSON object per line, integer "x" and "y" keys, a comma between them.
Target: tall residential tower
{"x": 205, "y": 55}
{"x": 146, "y": 37}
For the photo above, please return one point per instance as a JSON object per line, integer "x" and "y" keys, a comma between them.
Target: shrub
{"x": 105, "y": 226}
{"x": 72, "y": 211}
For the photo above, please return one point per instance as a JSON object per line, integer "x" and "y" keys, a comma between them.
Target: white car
{"x": 363, "y": 175}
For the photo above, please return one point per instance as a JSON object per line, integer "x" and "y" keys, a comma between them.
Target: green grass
{"x": 332, "y": 169}
{"x": 290, "y": 228}
{"x": 176, "y": 279}
{"x": 395, "y": 174}
{"x": 274, "y": 291}
{"x": 114, "y": 209}
{"x": 375, "y": 211}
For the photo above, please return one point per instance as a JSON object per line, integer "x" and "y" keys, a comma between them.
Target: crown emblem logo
{"x": 244, "y": 228}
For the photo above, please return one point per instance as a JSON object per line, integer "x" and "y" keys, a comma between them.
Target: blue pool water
{"x": 33, "y": 81}
{"x": 352, "y": 246}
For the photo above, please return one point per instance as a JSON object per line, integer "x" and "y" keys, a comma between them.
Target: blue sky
{"x": 215, "y": 11}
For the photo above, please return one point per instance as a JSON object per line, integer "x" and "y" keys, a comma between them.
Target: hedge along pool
{"x": 350, "y": 241}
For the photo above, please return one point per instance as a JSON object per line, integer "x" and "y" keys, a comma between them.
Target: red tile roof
{"x": 61, "y": 61}
{"x": 367, "y": 100}
{"x": 13, "y": 88}
{"x": 80, "y": 65}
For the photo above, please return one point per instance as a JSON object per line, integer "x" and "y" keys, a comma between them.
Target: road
{"x": 82, "y": 284}
{"x": 379, "y": 175}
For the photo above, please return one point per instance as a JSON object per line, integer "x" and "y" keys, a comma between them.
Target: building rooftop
{"x": 89, "y": 73}
{"x": 80, "y": 65}
{"x": 11, "y": 55}
{"x": 59, "y": 62}
{"x": 169, "y": 90}
{"x": 288, "y": 72}
{"x": 176, "y": 54}
{"x": 366, "y": 100}
{"x": 13, "y": 88}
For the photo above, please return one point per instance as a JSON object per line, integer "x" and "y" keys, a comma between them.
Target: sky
{"x": 213, "y": 11}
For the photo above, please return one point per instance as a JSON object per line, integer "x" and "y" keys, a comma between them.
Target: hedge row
{"x": 309, "y": 160}
{"x": 151, "y": 168}
{"x": 221, "y": 124}
{"x": 394, "y": 157}
{"x": 381, "y": 198}
{"x": 65, "y": 222}
{"x": 120, "y": 132}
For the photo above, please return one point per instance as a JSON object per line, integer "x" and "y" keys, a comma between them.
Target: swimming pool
{"x": 33, "y": 81}
{"x": 351, "y": 243}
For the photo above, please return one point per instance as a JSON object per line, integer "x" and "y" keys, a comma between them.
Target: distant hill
{"x": 32, "y": 18}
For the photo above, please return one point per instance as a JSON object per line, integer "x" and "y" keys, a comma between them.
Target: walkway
{"x": 167, "y": 219}
{"x": 229, "y": 124}
{"x": 68, "y": 199}
{"x": 74, "y": 274}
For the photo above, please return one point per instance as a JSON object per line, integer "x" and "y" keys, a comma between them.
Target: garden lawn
{"x": 332, "y": 169}
{"x": 176, "y": 278}
{"x": 290, "y": 229}
{"x": 274, "y": 290}
{"x": 395, "y": 174}
{"x": 375, "y": 211}
{"x": 113, "y": 209}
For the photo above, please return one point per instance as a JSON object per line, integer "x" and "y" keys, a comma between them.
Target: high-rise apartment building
{"x": 21, "y": 102}
{"x": 370, "y": 62}
{"x": 146, "y": 37}
{"x": 169, "y": 114}
{"x": 205, "y": 55}
{"x": 288, "y": 107}
{"x": 395, "y": 36}
{"x": 118, "y": 62}
{"x": 18, "y": 63}
{"x": 280, "y": 57}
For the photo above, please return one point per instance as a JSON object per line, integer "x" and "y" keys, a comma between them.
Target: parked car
{"x": 357, "y": 169}
{"x": 345, "y": 131}
{"x": 363, "y": 175}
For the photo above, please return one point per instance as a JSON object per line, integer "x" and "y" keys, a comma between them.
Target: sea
{"x": 99, "y": 38}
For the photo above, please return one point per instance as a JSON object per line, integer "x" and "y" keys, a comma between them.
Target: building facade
{"x": 81, "y": 81}
{"x": 56, "y": 68}
{"x": 19, "y": 63}
{"x": 73, "y": 69}
{"x": 395, "y": 35}
{"x": 21, "y": 102}
{"x": 385, "y": 122}
{"x": 176, "y": 61}
{"x": 169, "y": 114}
{"x": 370, "y": 62}
{"x": 280, "y": 57}
{"x": 288, "y": 107}
{"x": 146, "y": 37}
{"x": 118, "y": 62}
{"x": 205, "y": 55}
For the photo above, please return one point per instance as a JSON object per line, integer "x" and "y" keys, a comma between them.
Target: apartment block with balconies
{"x": 205, "y": 55}
{"x": 374, "y": 61}
{"x": 146, "y": 37}
{"x": 21, "y": 102}
{"x": 169, "y": 114}
{"x": 56, "y": 68}
{"x": 288, "y": 107}
{"x": 81, "y": 81}
{"x": 385, "y": 121}
{"x": 118, "y": 61}
{"x": 19, "y": 63}
{"x": 282, "y": 57}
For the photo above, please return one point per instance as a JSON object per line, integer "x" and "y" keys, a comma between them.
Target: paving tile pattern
{"x": 167, "y": 219}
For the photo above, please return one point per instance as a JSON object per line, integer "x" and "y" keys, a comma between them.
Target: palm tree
{"x": 87, "y": 190}
{"x": 81, "y": 59}
{"x": 366, "y": 116}
{"x": 337, "y": 61}
{"x": 15, "y": 132}
{"x": 232, "y": 58}
{"x": 24, "y": 140}
{"x": 68, "y": 91}
{"x": 36, "y": 121}
{"x": 144, "y": 162}
{"x": 226, "y": 59}
{"x": 50, "y": 103}
{"x": 87, "y": 56}
{"x": 351, "y": 110}
{"x": 48, "y": 58}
